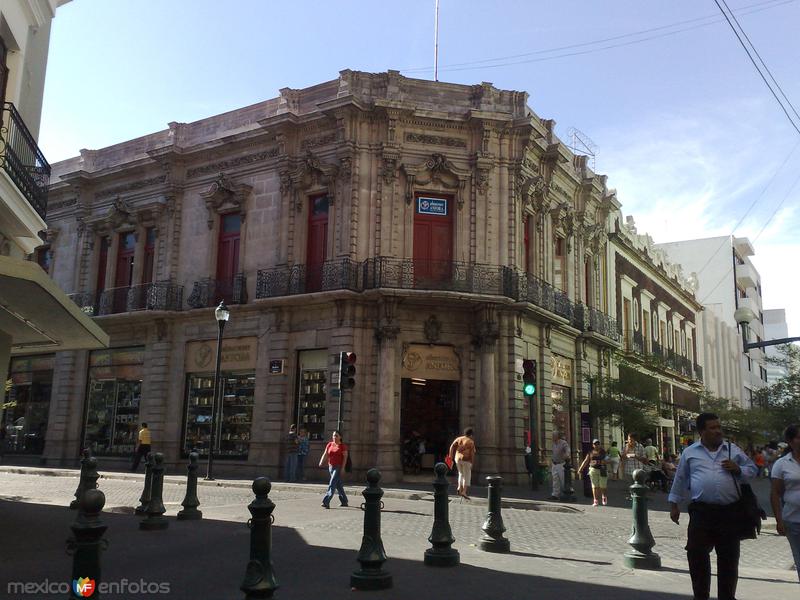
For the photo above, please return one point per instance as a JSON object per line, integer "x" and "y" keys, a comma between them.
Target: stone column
{"x": 388, "y": 443}
{"x": 486, "y": 431}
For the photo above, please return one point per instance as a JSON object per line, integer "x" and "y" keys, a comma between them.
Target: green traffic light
{"x": 529, "y": 389}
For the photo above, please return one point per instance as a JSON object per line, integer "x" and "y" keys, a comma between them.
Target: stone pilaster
{"x": 388, "y": 417}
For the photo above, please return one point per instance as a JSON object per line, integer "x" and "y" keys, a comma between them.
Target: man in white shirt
{"x": 560, "y": 455}
{"x": 709, "y": 472}
{"x": 785, "y": 496}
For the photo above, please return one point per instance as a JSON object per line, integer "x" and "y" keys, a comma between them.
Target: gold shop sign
{"x": 561, "y": 369}
{"x": 431, "y": 362}
{"x": 238, "y": 354}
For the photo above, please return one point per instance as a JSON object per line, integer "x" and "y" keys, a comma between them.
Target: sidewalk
{"x": 553, "y": 555}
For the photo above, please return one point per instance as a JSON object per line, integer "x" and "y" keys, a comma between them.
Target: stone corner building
{"x": 439, "y": 231}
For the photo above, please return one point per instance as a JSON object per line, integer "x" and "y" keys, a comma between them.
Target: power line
{"x": 713, "y": 19}
{"x": 755, "y": 64}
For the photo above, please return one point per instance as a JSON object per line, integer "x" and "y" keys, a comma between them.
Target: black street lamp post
{"x": 743, "y": 316}
{"x": 221, "y": 314}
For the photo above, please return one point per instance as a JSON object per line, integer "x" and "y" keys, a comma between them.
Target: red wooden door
{"x": 433, "y": 239}
{"x": 123, "y": 274}
{"x": 317, "y": 242}
{"x": 228, "y": 257}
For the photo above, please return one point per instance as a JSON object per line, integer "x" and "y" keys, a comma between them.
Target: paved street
{"x": 562, "y": 554}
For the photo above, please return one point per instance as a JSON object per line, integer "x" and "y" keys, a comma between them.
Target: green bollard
{"x": 144, "y": 499}
{"x": 86, "y": 455}
{"x": 86, "y": 545}
{"x": 567, "y": 493}
{"x": 190, "y": 501}
{"x": 155, "y": 508}
{"x": 441, "y": 554}
{"x": 259, "y": 578}
{"x": 371, "y": 555}
{"x": 642, "y": 556}
{"x": 493, "y": 527}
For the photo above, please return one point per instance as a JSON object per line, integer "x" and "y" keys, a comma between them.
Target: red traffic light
{"x": 347, "y": 370}
{"x": 349, "y": 357}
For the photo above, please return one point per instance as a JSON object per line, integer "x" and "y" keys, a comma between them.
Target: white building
{"x": 728, "y": 279}
{"x": 720, "y": 347}
{"x": 36, "y": 316}
{"x": 775, "y": 327}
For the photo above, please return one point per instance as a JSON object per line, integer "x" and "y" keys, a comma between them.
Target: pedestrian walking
{"x": 785, "y": 496}
{"x": 302, "y": 451}
{"x": 709, "y": 471}
{"x": 143, "y": 447}
{"x": 612, "y": 460}
{"x": 335, "y": 456}
{"x": 291, "y": 446}
{"x": 596, "y": 460}
{"x": 463, "y": 451}
{"x": 633, "y": 457}
{"x": 560, "y": 453}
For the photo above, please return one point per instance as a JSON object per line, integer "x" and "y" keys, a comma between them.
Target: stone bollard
{"x": 371, "y": 555}
{"x": 155, "y": 507}
{"x": 441, "y": 554}
{"x": 493, "y": 527}
{"x": 641, "y": 557}
{"x": 86, "y": 455}
{"x": 86, "y": 545}
{"x": 259, "y": 578}
{"x": 567, "y": 493}
{"x": 190, "y": 501}
{"x": 144, "y": 499}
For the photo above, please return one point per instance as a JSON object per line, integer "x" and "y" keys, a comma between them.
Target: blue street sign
{"x": 432, "y": 206}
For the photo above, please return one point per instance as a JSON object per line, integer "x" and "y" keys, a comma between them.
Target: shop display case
{"x": 112, "y": 420}
{"x": 311, "y": 402}
{"x": 236, "y": 421}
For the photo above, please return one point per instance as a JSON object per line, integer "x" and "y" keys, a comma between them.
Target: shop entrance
{"x": 428, "y": 422}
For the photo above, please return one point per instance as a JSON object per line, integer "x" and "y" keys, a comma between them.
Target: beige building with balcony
{"x": 659, "y": 315}
{"x": 35, "y": 315}
{"x": 441, "y": 232}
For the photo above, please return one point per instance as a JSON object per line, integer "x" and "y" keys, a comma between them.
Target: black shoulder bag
{"x": 752, "y": 513}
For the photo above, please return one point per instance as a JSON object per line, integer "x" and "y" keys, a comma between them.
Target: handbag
{"x": 448, "y": 460}
{"x": 348, "y": 466}
{"x": 751, "y": 513}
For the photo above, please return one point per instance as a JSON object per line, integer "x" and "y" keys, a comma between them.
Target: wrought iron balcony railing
{"x": 148, "y": 296}
{"x": 22, "y": 160}
{"x": 412, "y": 274}
{"x": 86, "y": 301}
{"x": 342, "y": 274}
{"x": 698, "y": 372}
{"x": 210, "y": 292}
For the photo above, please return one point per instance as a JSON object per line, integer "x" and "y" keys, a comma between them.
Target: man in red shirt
{"x": 336, "y": 456}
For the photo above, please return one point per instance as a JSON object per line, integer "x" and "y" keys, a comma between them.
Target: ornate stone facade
{"x": 525, "y": 278}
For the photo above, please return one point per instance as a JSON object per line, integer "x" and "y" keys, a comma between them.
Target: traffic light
{"x": 347, "y": 370}
{"x": 529, "y": 377}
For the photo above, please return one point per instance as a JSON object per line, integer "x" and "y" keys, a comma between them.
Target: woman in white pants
{"x": 462, "y": 451}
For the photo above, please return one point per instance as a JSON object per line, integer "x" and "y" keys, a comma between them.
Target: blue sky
{"x": 685, "y": 129}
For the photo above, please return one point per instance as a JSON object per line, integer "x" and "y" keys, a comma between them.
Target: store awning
{"x": 38, "y": 315}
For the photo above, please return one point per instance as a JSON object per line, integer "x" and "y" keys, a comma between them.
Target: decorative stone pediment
{"x": 225, "y": 196}
{"x": 534, "y": 192}
{"x": 435, "y": 173}
{"x": 311, "y": 175}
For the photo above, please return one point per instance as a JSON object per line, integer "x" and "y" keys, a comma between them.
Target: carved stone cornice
{"x": 224, "y": 195}
{"x": 231, "y": 163}
{"x": 130, "y": 187}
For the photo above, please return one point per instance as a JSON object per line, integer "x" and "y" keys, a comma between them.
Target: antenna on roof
{"x": 580, "y": 143}
{"x": 436, "y": 43}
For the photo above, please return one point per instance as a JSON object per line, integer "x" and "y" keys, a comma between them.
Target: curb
{"x": 397, "y": 494}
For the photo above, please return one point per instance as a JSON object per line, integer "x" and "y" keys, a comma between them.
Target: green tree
{"x": 630, "y": 401}
{"x": 781, "y": 400}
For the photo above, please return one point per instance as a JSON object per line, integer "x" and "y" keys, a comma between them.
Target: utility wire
{"x": 755, "y": 64}
{"x": 758, "y": 7}
{"x": 764, "y": 64}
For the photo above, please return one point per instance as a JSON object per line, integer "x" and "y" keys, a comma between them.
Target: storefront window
{"x": 562, "y": 421}
{"x": 238, "y": 391}
{"x": 112, "y": 406}
{"x": 312, "y": 392}
{"x": 27, "y": 404}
